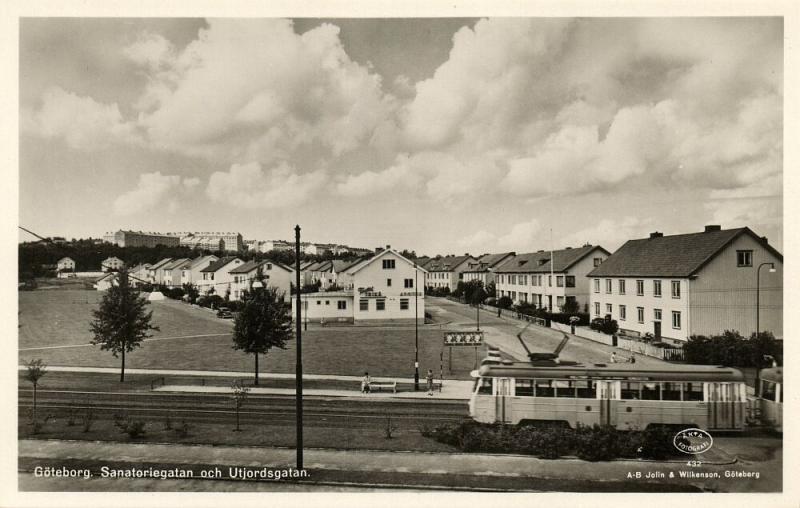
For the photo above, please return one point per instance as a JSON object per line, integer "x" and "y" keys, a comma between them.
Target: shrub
{"x": 182, "y": 430}
{"x": 87, "y": 420}
{"x": 732, "y": 349}
{"x": 597, "y": 443}
{"x": 656, "y": 442}
{"x": 134, "y": 428}
{"x": 505, "y": 302}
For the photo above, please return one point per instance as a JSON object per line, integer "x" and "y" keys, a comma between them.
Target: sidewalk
{"x": 451, "y": 390}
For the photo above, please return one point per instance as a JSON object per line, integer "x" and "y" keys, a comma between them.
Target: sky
{"x": 440, "y": 135}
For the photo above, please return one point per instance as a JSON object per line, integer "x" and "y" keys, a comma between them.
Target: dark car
{"x": 224, "y": 313}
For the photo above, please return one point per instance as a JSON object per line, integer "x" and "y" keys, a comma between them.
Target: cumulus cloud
{"x": 522, "y": 237}
{"x": 81, "y": 122}
{"x": 153, "y": 190}
{"x": 610, "y": 233}
{"x": 248, "y": 186}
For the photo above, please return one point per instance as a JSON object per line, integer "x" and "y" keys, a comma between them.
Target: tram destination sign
{"x": 463, "y": 338}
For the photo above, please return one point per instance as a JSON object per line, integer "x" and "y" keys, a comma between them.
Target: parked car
{"x": 224, "y": 313}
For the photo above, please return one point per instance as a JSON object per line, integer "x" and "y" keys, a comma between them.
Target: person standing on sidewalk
{"x": 429, "y": 378}
{"x": 365, "y": 383}
{"x": 613, "y": 358}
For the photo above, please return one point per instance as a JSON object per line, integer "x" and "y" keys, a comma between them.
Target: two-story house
{"x": 446, "y": 272}
{"x": 192, "y": 273}
{"x": 692, "y": 284}
{"x": 549, "y": 279}
{"x": 156, "y": 270}
{"x": 65, "y": 265}
{"x": 112, "y": 264}
{"x": 173, "y": 270}
{"x": 216, "y": 277}
{"x": 274, "y": 274}
{"x": 483, "y": 268}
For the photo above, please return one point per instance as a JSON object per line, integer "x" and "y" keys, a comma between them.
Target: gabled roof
{"x": 160, "y": 264}
{"x": 488, "y": 261}
{"x": 216, "y": 265}
{"x": 340, "y": 265}
{"x": 539, "y": 262}
{"x": 252, "y": 265}
{"x": 201, "y": 259}
{"x": 446, "y": 264}
{"x": 176, "y": 263}
{"x": 422, "y": 260}
{"x": 66, "y": 259}
{"x": 112, "y": 258}
{"x": 361, "y": 265}
{"x": 672, "y": 256}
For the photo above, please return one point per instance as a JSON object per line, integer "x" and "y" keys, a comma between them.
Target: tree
{"x": 35, "y": 370}
{"x": 264, "y": 322}
{"x": 459, "y": 290}
{"x": 571, "y": 306}
{"x": 121, "y": 323}
{"x": 474, "y": 294}
{"x": 505, "y": 302}
{"x": 239, "y": 396}
{"x": 191, "y": 292}
{"x": 491, "y": 290}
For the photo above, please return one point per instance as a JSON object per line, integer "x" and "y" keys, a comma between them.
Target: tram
{"x": 625, "y": 396}
{"x": 770, "y": 398}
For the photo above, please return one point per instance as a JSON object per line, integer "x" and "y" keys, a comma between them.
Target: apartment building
{"x": 192, "y": 273}
{"x": 446, "y": 272}
{"x": 112, "y": 264}
{"x": 203, "y": 243}
{"x": 549, "y": 279}
{"x": 483, "y": 268}
{"x": 273, "y": 274}
{"x": 692, "y": 284}
{"x": 125, "y": 238}
{"x": 231, "y": 241}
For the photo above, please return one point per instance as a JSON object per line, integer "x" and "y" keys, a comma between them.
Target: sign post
{"x": 469, "y": 338}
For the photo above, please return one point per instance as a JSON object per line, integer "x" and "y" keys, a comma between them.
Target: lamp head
{"x": 772, "y": 268}
{"x": 257, "y": 284}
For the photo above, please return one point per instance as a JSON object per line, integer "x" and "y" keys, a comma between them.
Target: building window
{"x": 550, "y": 280}
{"x": 676, "y": 289}
{"x": 380, "y": 304}
{"x": 404, "y": 304}
{"x": 408, "y": 283}
{"x": 639, "y": 288}
{"x": 597, "y": 286}
{"x": 319, "y": 302}
{"x": 622, "y": 312}
{"x": 570, "y": 281}
{"x": 657, "y": 288}
{"x": 388, "y": 264}
{"x": 622, "y": 286}
{"x": 608, "y": 309}
{"x": 640, "y": 314}
{"x": 608, "y": 286}
{"x": 559, "y": 301}
{"x": 388, "y": 282}
{"x": 744, "y": 258}
{"x": 596, "y": 308}
{"x": 560, "y": 281}
{"x": 341, "y": 304}
{"x": 597, "y": 261}
{"x": 363, "y": 304}
{"x": 656, "y": 314}
{"x": 676, "y": 320}
{"x": 327, "y": 302}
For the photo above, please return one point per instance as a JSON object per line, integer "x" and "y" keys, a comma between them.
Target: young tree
{"x": 491, "y": 290}
{"x": 121, "y": 323}
{"x": 474, "y": 293}
{"x": 264, "y": 322}
{"x": 239, "y": 396}
{"x": 191, "y": 292}
{"x": 35, "y": 370}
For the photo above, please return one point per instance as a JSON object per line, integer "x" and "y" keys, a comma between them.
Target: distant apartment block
{"x": 692, "y": 284}
{"x": 549, "y": 279}
{"x": 203, "y": 243}
{"x": 231, "y": 242}
{"x": 125, "y": 238}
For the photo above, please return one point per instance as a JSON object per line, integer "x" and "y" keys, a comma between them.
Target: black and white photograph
{"x": 463, "y": 253}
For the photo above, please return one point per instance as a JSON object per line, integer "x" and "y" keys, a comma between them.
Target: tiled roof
{"x": 488, "y": 261}
{"x": 251, "y": 265}
{"x": 671, "y": 256}
{"x": 216, "y": 265}
{"x": 445, "y": 264}
{"x": 539, "y": 262}
{"x": 176, "y": 263}
{"x": 160, "y": 264}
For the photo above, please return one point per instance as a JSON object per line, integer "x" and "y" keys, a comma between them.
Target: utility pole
{"x": 416, "y": 328}
{"x": 299, "y": 361}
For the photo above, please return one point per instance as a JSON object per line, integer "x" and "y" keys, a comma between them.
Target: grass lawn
{"x": 52, "y": 318}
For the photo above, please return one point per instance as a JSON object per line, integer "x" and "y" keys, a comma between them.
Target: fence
{"x": 584, "y": 332}
{"x": 673, "y": 355}
{"x": 509, "y": 313}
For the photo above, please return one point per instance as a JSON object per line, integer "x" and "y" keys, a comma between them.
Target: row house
{"x": 549, "y": 279}
{"x": 446, "y": 272}
{"x": 173, "y": 272}
{"x": 384, "y": 289}
{"x": 216, "y": 277}
{"x": 140, "y": 274}
{"x": 272, "y": 274}
{"x": 704, "y": 283}
{"x": 483, "y": 268}
{"x": 112, "y": 264}
{"x": 156, "y": 271}
{"x": 328, "y": 273}
{"x": 192, "y": 272}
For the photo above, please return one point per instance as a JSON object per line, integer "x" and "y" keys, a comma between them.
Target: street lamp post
{"x": 758, "y": 292}
{"x": 299, "y": 361}
{"x": 416, "y": 328}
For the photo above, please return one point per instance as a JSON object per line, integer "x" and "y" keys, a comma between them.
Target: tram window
{"x": 693, "y": 391}
{"x": 651, "y": 391}
{"x": 585, "y": 389}
{"x": 768, "y": 390}
{"x": 523, "y": 387}
{"x": 671, "y": 391}
{"x": 486, "y": 386}
{"x": 782, "y": 387}
{"x": 629, "y": 390}
{"x": 544, "y": 388}
{"x": 565, "y": 389}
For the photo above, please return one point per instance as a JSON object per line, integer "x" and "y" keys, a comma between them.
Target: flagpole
{"x": 551, "y": 270}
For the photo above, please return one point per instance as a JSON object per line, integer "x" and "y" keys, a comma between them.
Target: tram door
{"x": 504, "y": 391}
{"x": 608, "y": 393}
{"x": 722, "y": 405}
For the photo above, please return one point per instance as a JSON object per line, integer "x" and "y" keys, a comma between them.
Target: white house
{"x": 191, "y": 274}
{"x": 549, "y": 279}
{"x": 112, "y": 264}
{"x": 65, "y": 265}
{"x": 157, "y": 271}
{"x": 483, "y": 268}
{"x": 446, "y": 272}
{"x": 216, "y": 277}
{"x": 140, "y": 274}
{"x": 692, "y": 284}
{"x": 274, "y": 275}
{"x": 173, "y": 271}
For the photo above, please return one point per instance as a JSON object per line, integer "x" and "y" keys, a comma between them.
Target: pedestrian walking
{"x": 613, "y": 358}
{"x": 365, "y": 383}
{"x": 429, "y": 378}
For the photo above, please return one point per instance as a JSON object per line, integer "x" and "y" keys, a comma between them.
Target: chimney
{"x": 388, "y": 247}
{"x": 656, "y": 234}
{"x": 713, "y": 227}
{"x": 764, "y": 239}
{"x": 378, "y": 250}
{"x": 568, "y": 248}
